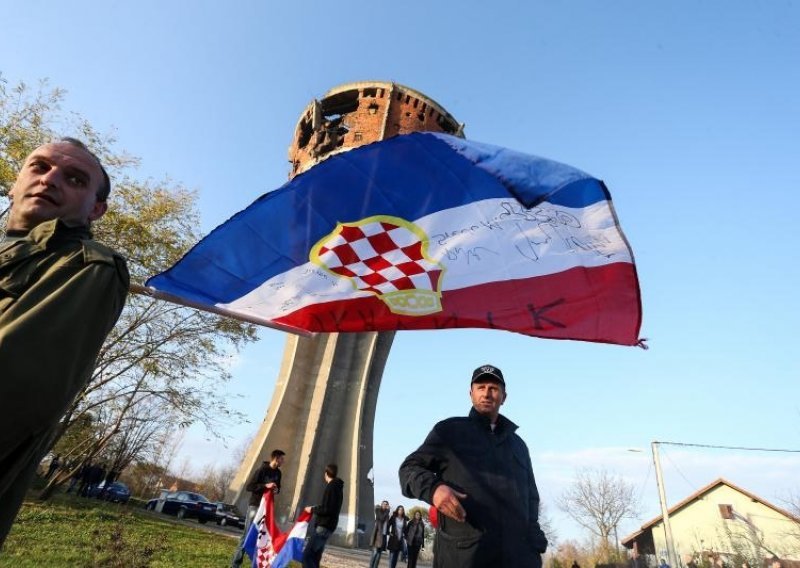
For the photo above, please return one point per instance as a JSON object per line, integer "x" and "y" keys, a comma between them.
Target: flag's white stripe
{"x": 298, "y": 530}
{"x": 478, "y": 243}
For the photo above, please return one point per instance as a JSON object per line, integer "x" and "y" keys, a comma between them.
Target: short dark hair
{"x": 277, "y": 454}
{"x": 331, "y": 470}
{"x": 105, "y": 186}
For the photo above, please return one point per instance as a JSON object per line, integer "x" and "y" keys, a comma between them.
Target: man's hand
{"x": 309, "y": 509}
{"x": 272, "y": 486}
{"x": 447, "y": 501}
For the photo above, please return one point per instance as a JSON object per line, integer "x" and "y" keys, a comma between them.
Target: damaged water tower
{"x": 323, "y": 407}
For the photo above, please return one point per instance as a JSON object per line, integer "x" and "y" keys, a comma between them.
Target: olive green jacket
{"x": 60, "y": 295}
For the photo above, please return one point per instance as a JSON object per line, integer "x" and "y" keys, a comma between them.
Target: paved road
{"x": 335, "y": 557}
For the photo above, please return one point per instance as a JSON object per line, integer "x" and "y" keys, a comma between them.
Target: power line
{"x": 730, "y": 447}
{"x": 693, "y": 486}
{"x": 646, "y": 479}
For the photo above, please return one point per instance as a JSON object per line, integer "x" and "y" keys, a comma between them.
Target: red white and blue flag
{"x": 423, "y": 231}
{"x": 266, "y": 545}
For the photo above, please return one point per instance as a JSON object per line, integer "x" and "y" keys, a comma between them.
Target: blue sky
{"x": 687, "y": 110}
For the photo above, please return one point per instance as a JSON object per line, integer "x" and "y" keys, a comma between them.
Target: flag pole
{"x": 158, "y": 295}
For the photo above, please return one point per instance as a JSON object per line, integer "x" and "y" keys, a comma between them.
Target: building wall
{"x": 355, "y": 114}
{"x": 701, "y": 527}
{"x": 410, "y": 112}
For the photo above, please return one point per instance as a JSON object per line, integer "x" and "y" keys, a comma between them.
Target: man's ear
{"x": 99, "y": 209}
{"x": 12, "y": 192}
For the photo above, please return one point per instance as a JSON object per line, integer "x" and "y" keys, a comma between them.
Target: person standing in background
{"x": 415, "y": 537}
{"x": 379, "y": 533}
{"x": 397, "y": 534}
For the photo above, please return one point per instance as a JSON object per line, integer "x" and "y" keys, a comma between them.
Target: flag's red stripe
{"x": 591, "y": 304}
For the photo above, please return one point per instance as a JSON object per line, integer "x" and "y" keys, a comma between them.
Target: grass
{"x": 72, "y": 532}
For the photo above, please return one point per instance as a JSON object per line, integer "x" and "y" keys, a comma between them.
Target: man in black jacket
{"x": 326, "y": 516}
{"x": 477, "y": 472}
{"x": 267, "y": 476}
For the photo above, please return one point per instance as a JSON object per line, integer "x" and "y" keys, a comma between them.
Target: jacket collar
{"x": 39, "y": 238}
{"x": 42, "y": 233}
{"x": 504, "y": 425}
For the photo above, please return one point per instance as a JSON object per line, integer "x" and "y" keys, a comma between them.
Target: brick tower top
{"x": 355, "y": 114}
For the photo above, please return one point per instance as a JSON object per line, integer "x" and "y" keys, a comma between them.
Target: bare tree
{"x": 564, "y": 554}
{"x": 598, "y": 500}
{"x": 183, "y": 474}
{"x": 215, "y": 479}
{"x": 792, "y": 533}
{"x": 240, "y": 450}
{"x": 160, "y": 359}
{"x": 546, "y": 523}
{"x": 150, "y": 470}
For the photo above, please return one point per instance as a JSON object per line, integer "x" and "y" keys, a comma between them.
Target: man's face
{"x": 487, "y": 397}
{"x": 385, "y": 505}
{"x": 279, "y": 461}
{"x": 57, "y": 181}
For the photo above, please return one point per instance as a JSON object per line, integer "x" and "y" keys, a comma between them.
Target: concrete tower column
{"x": 323, "y": 406}
{"x": 323, "y": 411}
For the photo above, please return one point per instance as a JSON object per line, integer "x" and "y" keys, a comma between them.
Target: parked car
{"x": 229, "y": 515}
{"x": 184, "y": 505}
{"x": 117, "y": 492}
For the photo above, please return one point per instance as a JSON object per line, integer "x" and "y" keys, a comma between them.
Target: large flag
{"x": 423, "y": 231}
{"x": 266, "y": 545}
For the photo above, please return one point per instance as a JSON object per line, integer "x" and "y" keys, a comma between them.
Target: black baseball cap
{"x": 488, "y": 372}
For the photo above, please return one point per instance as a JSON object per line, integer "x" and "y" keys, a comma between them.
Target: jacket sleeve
{"x": 536, "y": 534}
{"x": 277, "y": 481}
{"x": 420, "y": 471}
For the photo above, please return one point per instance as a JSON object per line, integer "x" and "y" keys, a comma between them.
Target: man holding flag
{"x": 266, "y": 478}
{"x": 264, "y": 542}
{"x": 326, "y": 515}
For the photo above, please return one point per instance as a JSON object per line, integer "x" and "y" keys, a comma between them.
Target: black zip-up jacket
{"x": 263, "y": 475}
{"x": 327, "y": 512}
{"x": 502, "y": 503}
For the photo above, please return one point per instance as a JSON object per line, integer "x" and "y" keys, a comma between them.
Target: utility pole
{"x": 673, "y": 560}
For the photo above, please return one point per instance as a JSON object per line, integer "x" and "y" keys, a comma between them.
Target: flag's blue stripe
{"x": 292, "y": 550}
{"x": 529, "y": 178}
{"x": 250, "y": 540}
{"x": 407, "y": 176}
